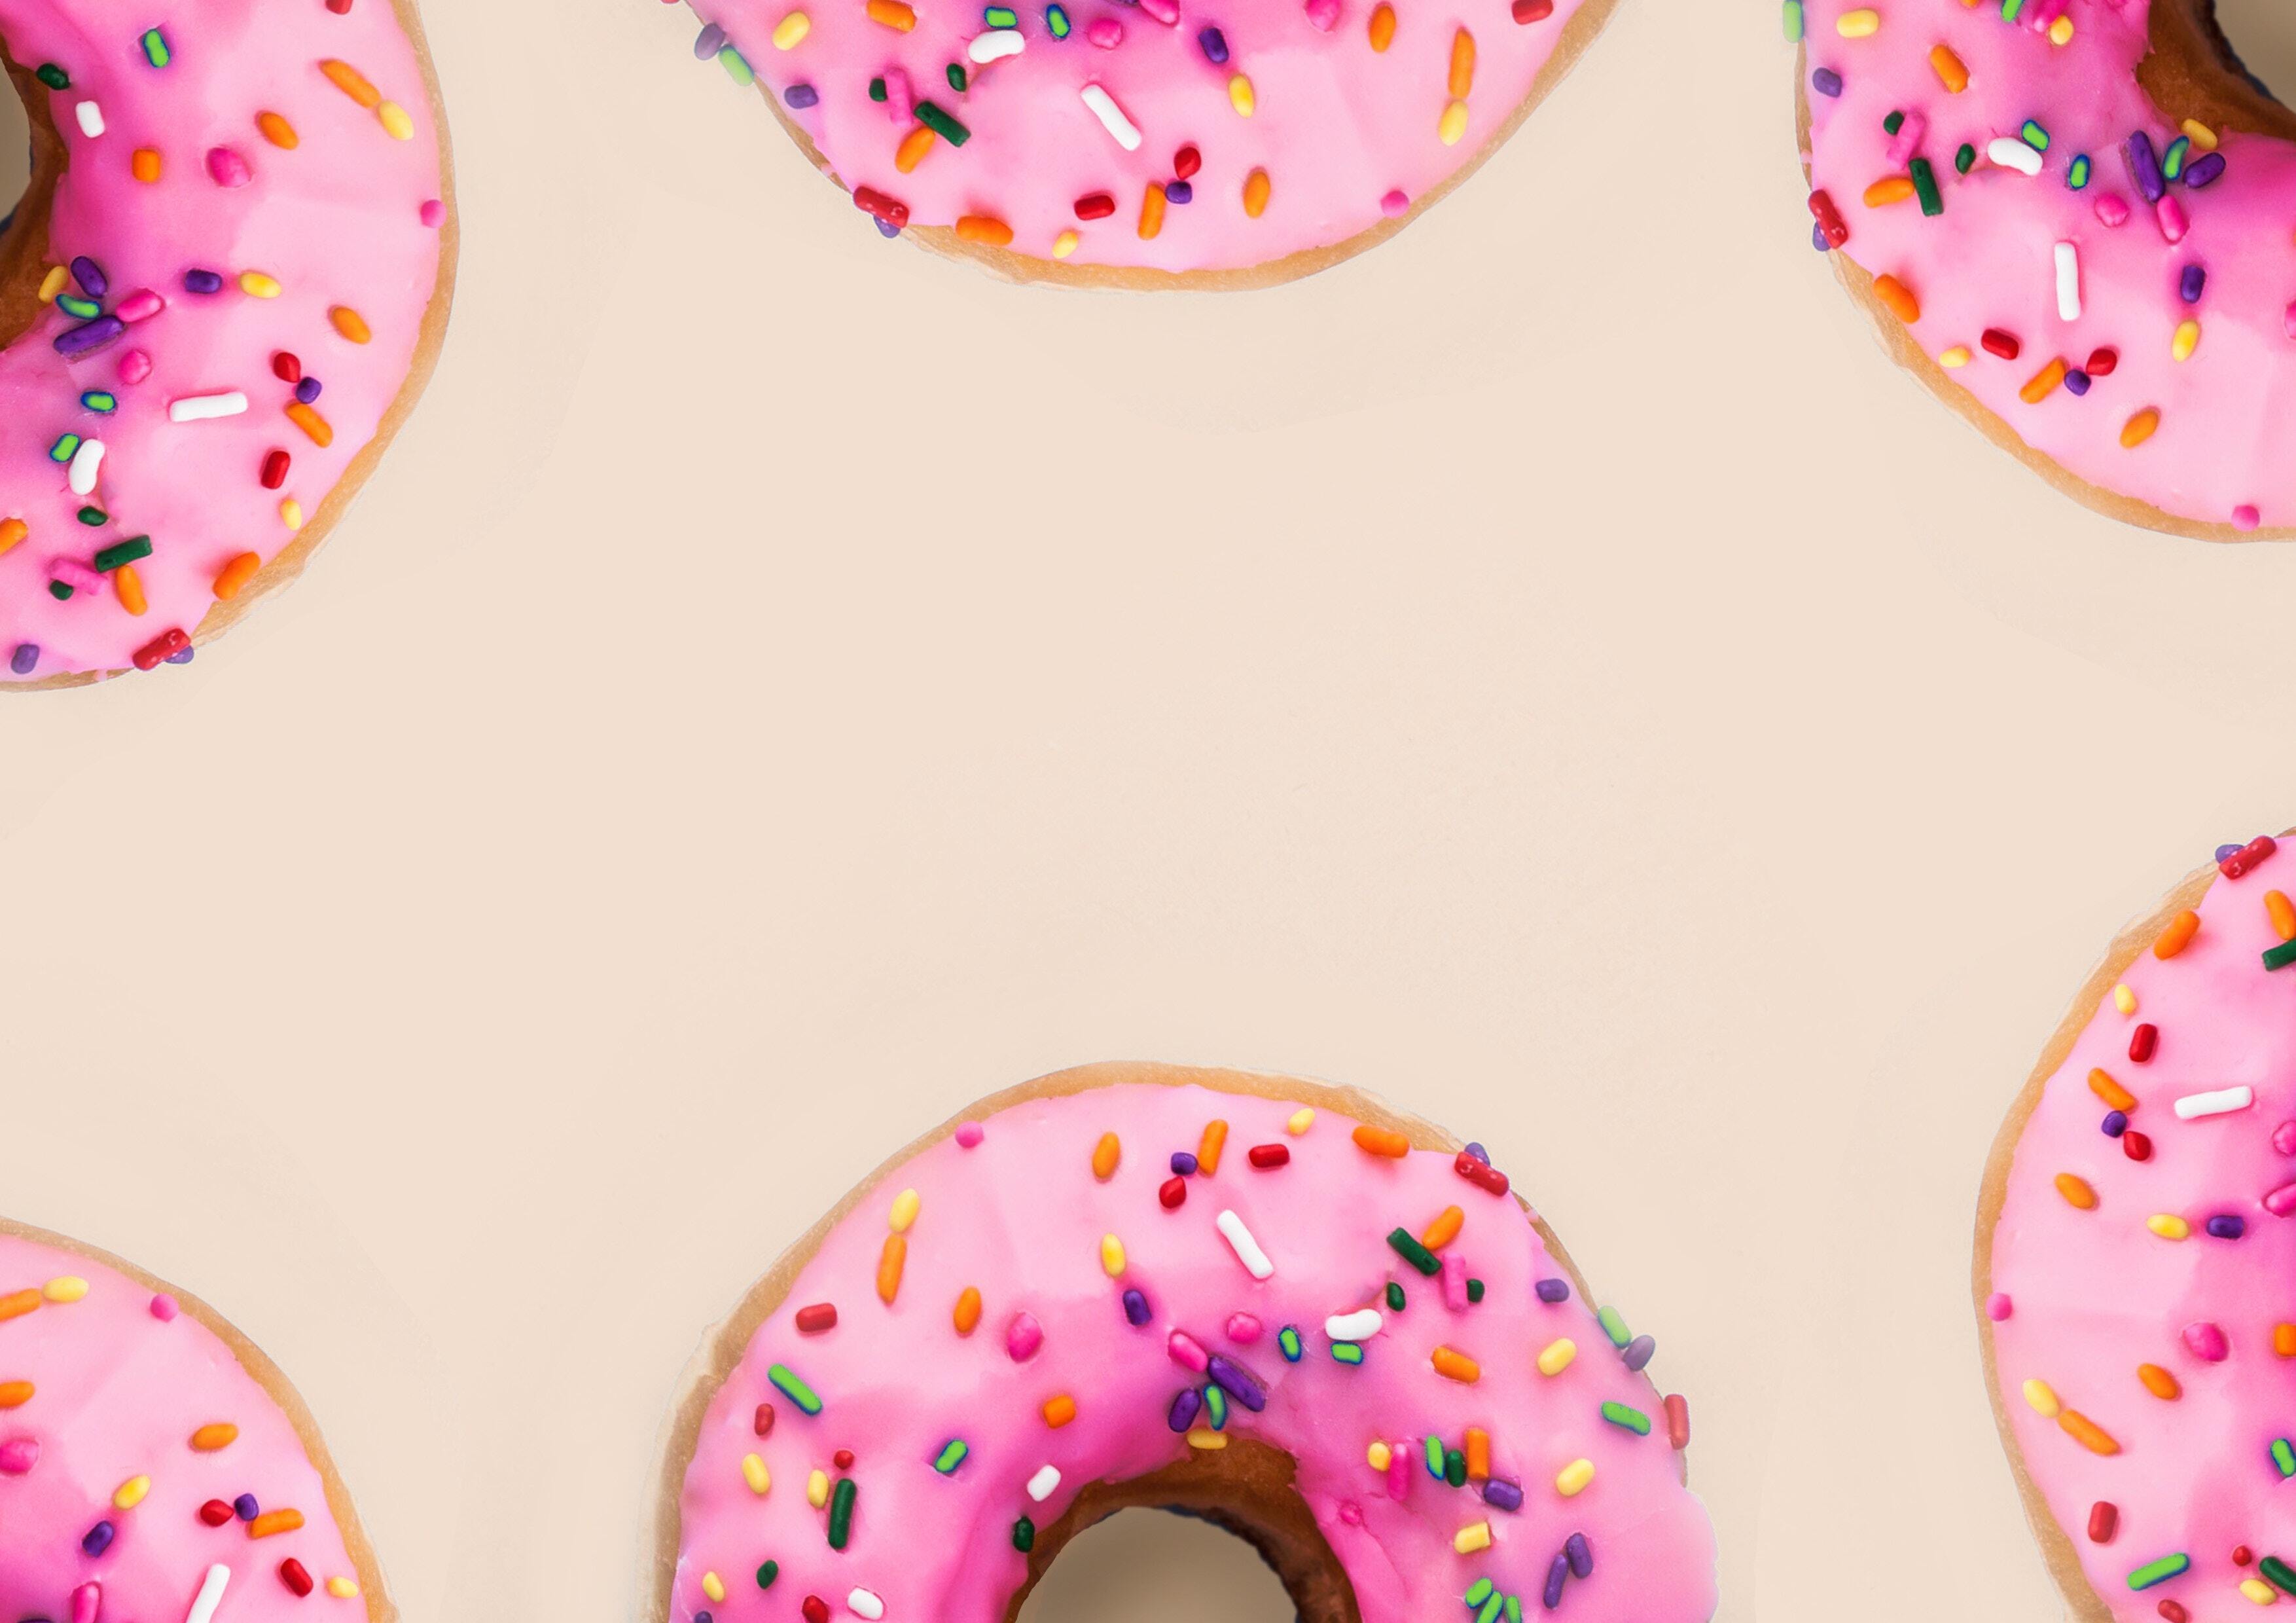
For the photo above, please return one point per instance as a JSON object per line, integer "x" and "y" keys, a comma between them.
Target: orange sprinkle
{"x": 15, "y": 1394}
{"x": 17, "y": 1305}
{"x": 913, "y": 148}
{"x": 889, "y": 1262}
{"x": 967, "y": 1316}
{"x": 208, "y": 1439}
{"x": 2277, "y": 907}
{"x": 143, "y": 163}
{"x": 1207, "y": 1151}
{"x": 1889, "y": 189}
{"x": 983, "y": 228}
{"x": 1152, "y": 211}
{"x": 1445, "y": 1228}
{"x": 130, "y": 585}
{"x": 2042, "y": 383}
{"x": 1463, "y": 64}
{"x": 311, "y": 423}
{"x": 1255, "y": 194}
{"x": 1899, "y": 298}
{"x": 1382, "y": 25}
{"x": 1105, "y": 1156}
{"x": 352, "y": 83}
{"x": 2087, "y": 1432}
{"x": 2179, "y": 935}
{"x": 1455, "y": 1366}
{"x": 2113, "y": 1094}
{"x": 1479, "y": 1454}
{"x": 2283, "y": 1341}
{"x": 350, "y": 324}
{"x": 278, "y": 131}
{"x": 1949, "y": 70}
{"x": 2076, "y": 1192}
{"x": 893, "y": 14}
{"x": 2139, "y": 428}
{"x": 2158, "y": 1381}
{"x": 234, "y": 575}
{"x": 1059, "y": 1411}
{"x": 1379, "y": 1140}
{"x": 274, "y": 1521}
{"x": 15, "y": 529}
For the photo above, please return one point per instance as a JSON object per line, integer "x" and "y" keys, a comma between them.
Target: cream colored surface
{"x": 1552, "y": 670}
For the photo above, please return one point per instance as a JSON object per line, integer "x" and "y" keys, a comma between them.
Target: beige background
{"x": 1551, "y": 670}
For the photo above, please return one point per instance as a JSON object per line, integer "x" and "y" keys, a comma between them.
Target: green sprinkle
{"x": 2077, "y": 175}
{"x": 2159, "y": 1571}
{"x": 876, "y": 89}
{"x": 60, "y": 592}
{"x": 1057, "y": 20}
{"x": 155, "y": 49}
{"x": 1346, "y": 1352}
{"x": 1613, "y": 1326}
{"x": 2035, "y": 136}
{"x": 737, "y": 65}
{"x": 78, "y": 308}
{"x": 2274, "y": 958}
{"x": 1216, "y": 1408}
{"x": 52, "y": 76}
{"x": 952, "y": 1456}
{"x": 1515, "y": 1608}
{"x": 1434, "y": 1455}
{"x": 62, "y": 449}
{"x": 1000, "y": 17}
{"x": 2283, "y": 1456}
{"x": 786, "y": 1382}
{"x": 100, "y": 399}
{"x": 956, "y": 75}
{"x": 1287, "y": 1339}
{"x": 1794, "y": 21}
{"x": 1474, "y": 1290}
{"x": 125, "y": 552}
{"x": 1455, "y": 1468}
{"x": 1478, "y": 1592}
{"x": 2172, "y": 161}
{"x": 1024, "y": 1534}
{"x": 840, "y": 1513}
{"x": 93, "y": 516}
{"x": 767, "y": 1573}
{"x": 1633, "y": 1420}
{"x": 2282, "y": 1575}
{"x": 1925, "y": 187}
{"x": 2010, "y": 8}
{"x": 1491, "y": 1610}
{"x": 1394, "y": 1297}
{"x": 1891, "y": 125}
{"x": 947, "y": 128}
{"x": 1963, "y": 159}
{"x": 1418, "y": 1256}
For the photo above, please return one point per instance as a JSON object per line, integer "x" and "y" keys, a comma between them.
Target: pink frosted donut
{"x": 2071, "y": 220}
{"x": 1148, "y": 143}
{"x": 222, "y": 295}
{"x": 153, "y": 1465}
{"x": 1250, "y": 1297}
{"x": 2133, "y": 1256}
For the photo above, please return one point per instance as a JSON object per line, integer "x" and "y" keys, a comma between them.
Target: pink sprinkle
{"x": 968, "y": 1135}
{"x": 2246, "y": 517}
{"x": 1350, "y": 1513}
{"x": 1186, "y": 1353}
{"x": 1163, "y": 11}
{"x": 1022, "y": 1336}
{"x": 141, "y": 305}
{"x": 135, "y": 366}
{"x": 17, "y": 1456}
{"x": 2288, "y": 320}
{"x": 1394, "y": 203}
{"x": 163, "y": 1308}
{"x": 2111, "y": 208}
{"x": 1997, "y": 1306}
{"x": 1105, "y": 32}
{"x": 1323, "y": 15}
{"x": 1398, "y": 1475}
{"x": 433, "y": 213}
{"x": 2281, "y": 1201}
{"x": 1243, "y": 1330}
{"x": 2042, "y": 15}
{"x": 2171, "y": 215}
{"x": 2207, "y": 1342}
{"x": 228, "y": 169}
{"x": 86, "y": 1601}
{"x": 1907, "y": 141}
{"x": 1455, "y": 1282}
{"x": 900, "y": 101}
{"x": 77, "y": 575}
{"x": 2284, "y": 1138}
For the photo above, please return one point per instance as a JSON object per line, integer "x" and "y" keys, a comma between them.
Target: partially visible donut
{"x": 153, "y": 1465}
{"x": 1209, "y": 143}
{"x": 2135, "y": 1259}
{"x": 1328, "y": 1328}
{"x": 220, "y": 298}
{"x": 2071, "y": 220}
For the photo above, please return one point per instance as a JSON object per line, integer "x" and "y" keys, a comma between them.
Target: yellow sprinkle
{"x": 2256, "y": 1589}
{"x": 789, "y": 29}
{"x": 131, "y": 1493}
{"x": 143, "y": 163}
{"x": 65, "y": 1288}
{"x": 904, "y": 1211}
{"x": 816, "y": 1489}
{"x": 2076, "y": 1192}
{"x": 1111, "y": 1256}
{"x": 53, "y": 284}
{"x": 1255, "y": 194}
{"x": 2169, "y": 1226}
{"x": 1059, "y": 1411}
{"x": 1860, "y": 24}
{"x": 2278, "y": 907}
{"x": 255, "y": 285}
{"x": 1105, "y": 1156}
{"x": 1453, "y": 124}
{"x": 2043, "y": 1399}
{"x": 350, "y": 324}
{"x": 1475, "y": 1536}
{"x": 913, "y": 148}
{"x": 1065, "y": 244}
{"x": 2202, "y": 136}
{"x": 1206, "y": 1438}
{"x": 1238, "y": 94}
{"x": 1463, "y": 65}
{"x": 2124, "y": 999}
{"x": 277, "y": 131}
{"x": 396, "y": 121}
{"x": 1382, "y": 25}
{"x": 2186, "y": 340}
{"x": 1556, "y": 1356}
{"x": 1303, "y": 1118}
{"x": 1955, "y": 358}
{"x": 12, "y": 530}
{"x": 209, "y": 1439}
{"x": 343, "y": 1589}
{"x": 1574, "y": 1477}
{"x": 2139, "y": 428}
{"x": 713, "y": 1586}
{"x": 1378, "y": 1456}
{"x": 290, "y": 513}
{"x": 754, "y": 1472}
{"x": 2160, "y": 1382}
{"x": 2061, "y": 31}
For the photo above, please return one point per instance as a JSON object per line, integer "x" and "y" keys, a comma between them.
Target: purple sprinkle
{"x": 2225, "y": 854}
{"x": 2143, "y": 165}
{"x": 184, "y": 658}
{"x": 1179, "y": 191}
{"x": 99, "y": 1538}
{"x": 711, "y": 41}
{"x": 1237, "y": 1382}
{"x": 2189, "y": 283}
{"x": 1136, "y": 1307}
{"x": 1557, "y": 1570}
{"x": 90, "y": 276}
{"x": 885, "y": 228}
{"x": 26, "y": 656}
{"x": 308, "y": 390}
{"x": 90, "y": 336}
{"x": 1186, "y": 1408}
{"x": 1639, "y": 1350}
{"x": 1479, "y": 1153}
{"x": 2228, "y": 1227}
{"x": 1554, "y": 1290}
{"x": 1184, "y": 1165}
{"x": 2078, "y": 380}
{"x": 1215, "y": 45}
{"x": 2203, "y": 170}
{"x": 1581, "y": 1554}
{"x": 2115, "y": 1124}
{"x": 1502, "y": 1495}
{"x": 1817, "y": 240}
{"x": 245, "y": 1508}
{"x": 802, "y": 96}
{"x": 1825, "y": 81}
{"x": 202, "y": 282}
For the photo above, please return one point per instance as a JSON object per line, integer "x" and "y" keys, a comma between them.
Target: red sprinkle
{"x": 2001, "y": 343}
{"x": 1173, "y": 1194}
{"x": 2248, "y": 856}
{"x": 2136, "y": 1146}
{"x": 1185, "y": 163}
{"x": 2101, "y": 360}
{"x": 291, "y": 1574}
{"x": 1533, "y": 10}
{"x": 275, "y": 469}
{"x": 1268, "y": 1156}
{"x": 2175, "y": 1613}
{"x": 842, "y": 1459}
{"x": 2103, "y": 1517}
{"x": 214, "y": 1512}
{"x": 1677, "y": 1420}
{"x": 1829, "y": 219}
{"x": 2241, "y": 1556}
{"x": 1095, "y": 205}
{"x": 2143, "y": 1041}
{"x": 812, "y": 1321}
{"x": 1482, "y": 1174}
{"x": 869, "y": 200}
{"x": 763, "y": 1424}
{"x": 816, "y": 1610}
{"x": 161, "y": 647}
{"x": 286, "y": 368}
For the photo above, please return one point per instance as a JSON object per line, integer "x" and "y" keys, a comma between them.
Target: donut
{"x": 1331, "y": 1329}
{"x": 1111, "y": 144}
{"x": 155, "y": 1466}
{"x": 221, "y": 295}
{"x": 2070, "y": 219}
{"x": 2134, "y": 1255}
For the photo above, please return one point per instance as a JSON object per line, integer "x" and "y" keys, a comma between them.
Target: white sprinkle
{"x": 2068, "y": 282}
{"x": 1247, "y": 1249}
{"x": 85, "y": 462}
{"x": 2011, "y": 153}
{"x": 994, "y": 44}
{"x": 200, "y": 408}
{"x": 1104, "y": 108}
{"x": 2218, "y": 1103}
{"x": 210, "y": 1594}
{"x": 1041, "y": 1484}
{"x": 865, "y": 1603}
{"x": 91, "y": 120}
{"x": 1354, "y": 1326}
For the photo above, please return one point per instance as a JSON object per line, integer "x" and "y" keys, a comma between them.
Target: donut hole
{"x": 2263, "y": 33}
{"x": 31, "y": 157}
{"x": 15, "y": 151}
{"x": 1142, "y": 1566}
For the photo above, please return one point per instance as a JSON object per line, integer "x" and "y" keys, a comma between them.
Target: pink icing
{"x": 338, "y": 221}
{"x": 2224, "y": 450}
{"x": 1337, "y": 127}
{"x": 120, "y": 1382}
{"x": 2099, "y": 1293}
{"x": 1021, "y": 1219}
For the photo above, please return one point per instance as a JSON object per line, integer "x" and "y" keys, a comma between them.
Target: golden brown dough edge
{"x": 2188, "y": 72}
{"x": 28, "y": 246}
{"x": 268, "y": 1376}
{"x": 2057, "y": 1548}
{"x": 1578, "y": 34}
{"x": 1208, "y": 1484}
